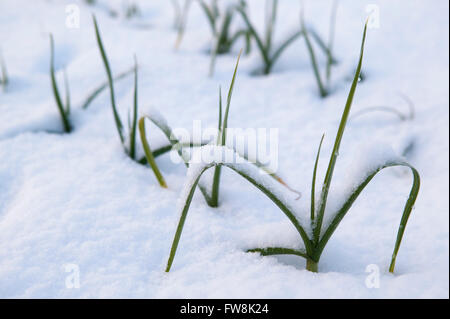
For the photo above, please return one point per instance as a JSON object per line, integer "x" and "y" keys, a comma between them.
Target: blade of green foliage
{"x": 149, "y": 154}
{"x": 227, "y": 109}
{"x": 62, "y": 111}
{"x": 337, "y": 144}
{"x": 312, "y": 55}
{"x": 219, "y": 126}
{"x": 167, "y": 148}
{"x": 223, "y": 130}
{"x": 217, "y": 169}
{"x": 271, "y": 251}
{"x": 117, "y": 120}
{"x": 354, "y": 195}
{"x": 313, "y": 185}
{"x": 181, "y": 222}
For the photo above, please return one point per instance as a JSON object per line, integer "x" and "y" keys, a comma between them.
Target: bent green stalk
{"x": 149, "y": 154}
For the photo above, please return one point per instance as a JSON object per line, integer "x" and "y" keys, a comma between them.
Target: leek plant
{"x": 63, "y": 108}
{"x": 314, "y": 234}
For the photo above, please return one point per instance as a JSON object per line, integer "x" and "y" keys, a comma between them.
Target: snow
{"x": 78, "y": 199}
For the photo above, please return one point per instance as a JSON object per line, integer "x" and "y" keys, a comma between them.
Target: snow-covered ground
{"x": 77, "y": 202}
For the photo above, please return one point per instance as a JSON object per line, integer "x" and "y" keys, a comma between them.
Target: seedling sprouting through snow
{"x": 314, "y": 234}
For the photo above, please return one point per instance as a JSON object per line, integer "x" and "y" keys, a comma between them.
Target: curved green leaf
{"x": 110, "y": 81}
{"x": 271, "y": 251}
{"x": 149, "y": 154}
{"x": 354, "y": 195}
{"x": 182, "y": 220}
{"x": 337, "y": 143}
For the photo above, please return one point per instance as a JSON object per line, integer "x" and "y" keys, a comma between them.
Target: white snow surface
{"x": 78, "y": 199}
